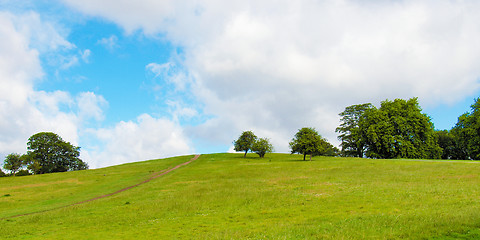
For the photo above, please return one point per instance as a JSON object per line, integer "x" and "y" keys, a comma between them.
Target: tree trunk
{"x": 245, "y": 154}
{"x": 311, "y": 157}
{"x": 304, "y": 155}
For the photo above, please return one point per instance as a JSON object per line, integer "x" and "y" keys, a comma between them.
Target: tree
{"x": 53, "y": 154}
{"x": 23, "y": 172}
{"x": 32, "y": 164}
{"x": 262, "y": 146}
{"x": 245, "y": 142}
{"x": 352, "y": 144}
{"x": 447, "y": 142}
{"x": 329, "y": 150}
{"x": 13, "y": 163}
{"x": 450, "y": 145}
{"x": 398, "y": 129}
{"x": 2, "y": 174}
{"x": 308, "y": 141}
{"x": 467, "y": 133}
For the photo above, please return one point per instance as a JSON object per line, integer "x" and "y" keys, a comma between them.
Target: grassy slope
{"x": 36, "y": 193}
{"x": 223, "y": 196}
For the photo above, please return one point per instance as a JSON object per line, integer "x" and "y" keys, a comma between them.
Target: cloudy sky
{"x": 136, "y": 80}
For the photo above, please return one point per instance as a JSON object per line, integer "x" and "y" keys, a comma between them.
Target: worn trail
{"x": 110, "y": 194}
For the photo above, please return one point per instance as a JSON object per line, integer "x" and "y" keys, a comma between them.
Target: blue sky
{"x": 130, "y": 81}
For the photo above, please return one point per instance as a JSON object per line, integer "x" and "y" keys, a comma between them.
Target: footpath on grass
{"x": 110, "y": 194}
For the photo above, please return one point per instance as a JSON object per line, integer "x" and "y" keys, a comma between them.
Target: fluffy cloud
{"x": 143, "y": 139}
{"x": 24, "y": 110}
{"x": 278, "y": 66}
{"x": 19, "y": 67}
{"x": 91, "y": 106}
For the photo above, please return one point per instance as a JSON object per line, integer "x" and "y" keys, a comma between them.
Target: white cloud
{"x": 169, "y": 73}
{"x": 143, "y": 139}
{"x": 86, "y": 55}
{"x": 43, "y": 36}
{"x": 279, "y": 66}
{"x": 90, "y": 106}
{"x": 109, "y": 43}
{"x": 24, "y": 110}
{"x": 19, "y": 65}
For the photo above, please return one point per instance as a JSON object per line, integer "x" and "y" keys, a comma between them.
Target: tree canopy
{"x": 351, "y": 141}
{"x": 449, "y": 142}
{"x": 13, "y": 162}
{"x": 308, "y": 141}
{"x": 398, "y": 129}
{"x": 262, "y": 146}
{"x": 52, "y": 154}
{"x": 466, "y": 134}
{"x": 245, "y": 142}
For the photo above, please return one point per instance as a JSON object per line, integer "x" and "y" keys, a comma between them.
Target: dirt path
{"x": 111, "y": 194}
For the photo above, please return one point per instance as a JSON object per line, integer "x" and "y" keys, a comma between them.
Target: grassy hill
{"x": 223, "y": 196}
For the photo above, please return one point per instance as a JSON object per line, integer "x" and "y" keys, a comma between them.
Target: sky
{"x": 137, "y": 80}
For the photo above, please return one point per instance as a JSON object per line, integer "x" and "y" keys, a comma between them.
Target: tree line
{"x": 47, "y": 153}
{"x": 397, "y": 129}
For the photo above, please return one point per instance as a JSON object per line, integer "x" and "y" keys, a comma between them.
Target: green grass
{"x": 223, "y": 196}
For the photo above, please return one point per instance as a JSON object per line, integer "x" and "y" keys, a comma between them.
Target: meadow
{"x": 226, "y": 196}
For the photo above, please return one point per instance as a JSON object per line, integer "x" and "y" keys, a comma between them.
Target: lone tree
{"x": 13, "y": 162}
{"x": 245, "y": 142}
{"x": 52, "y": 154}
{"x": 308, "y": 141}
{"x": 262, "y": 146}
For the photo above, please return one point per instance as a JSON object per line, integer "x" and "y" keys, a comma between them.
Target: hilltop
{"x": 226, "y": 196}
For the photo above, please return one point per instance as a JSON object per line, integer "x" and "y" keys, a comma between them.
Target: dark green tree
{"x": 2, "y": 174}
{"x": 467, "y": 133}
{"x": 450, "y": 145}
{"x": 398, "y": 129}
{"x": 352, "y": 144}
{"x": 13, "y": 162}
{"x": 308, "y": 141}
{"x": 245, "y": 142}
{"x": 53, "y": 154}
{"x": 23, "y": 172}
{"x": 262, "y": 146}
{"x": 447, "y": 142}
{"x": 329, "y": 149}
{"x": 33, "y": 165}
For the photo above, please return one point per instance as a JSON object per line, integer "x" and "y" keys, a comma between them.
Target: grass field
{"x": 223, "y": 196}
